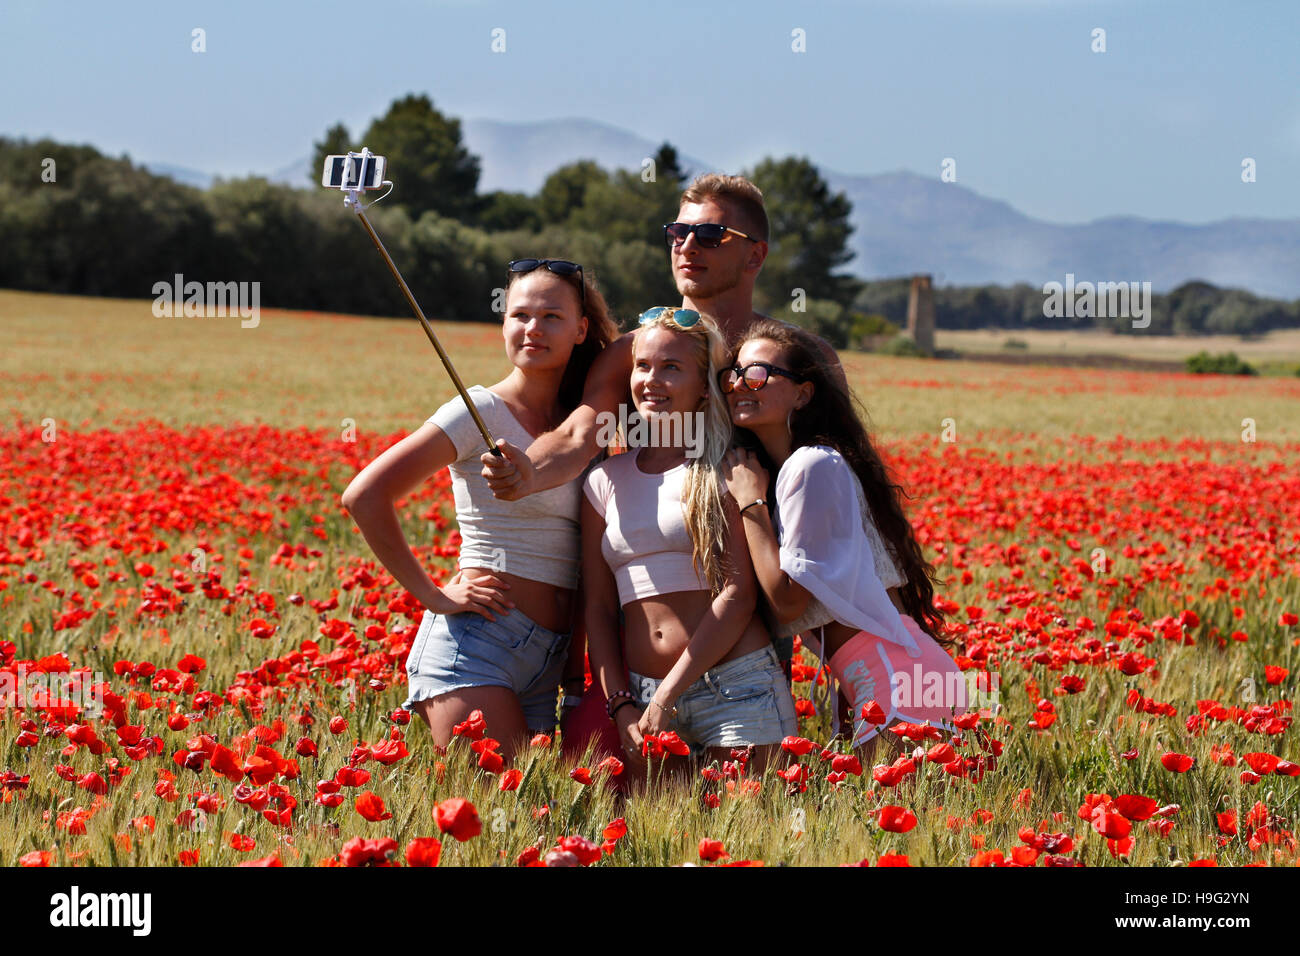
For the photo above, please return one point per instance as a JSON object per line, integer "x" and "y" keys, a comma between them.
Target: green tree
{"x": 565, "y": 190}
{"x": 809, "y": 233}
{"x": 431, "y": 168}
{"x": 501, "y": 211}
{"x": 668, "y": 167}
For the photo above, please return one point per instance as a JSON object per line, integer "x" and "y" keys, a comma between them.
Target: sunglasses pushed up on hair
{"x": 682, "y": 318}
{"x": 561, "y": 267}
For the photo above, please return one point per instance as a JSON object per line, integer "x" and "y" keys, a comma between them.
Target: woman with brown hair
{"x": 494, "y": 639}
{"x": 831, "y": 544}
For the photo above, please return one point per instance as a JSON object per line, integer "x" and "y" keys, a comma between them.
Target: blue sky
{"x": 1156, "y": 126}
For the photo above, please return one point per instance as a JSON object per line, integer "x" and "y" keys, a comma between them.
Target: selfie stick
{"x": 353, "y": 201}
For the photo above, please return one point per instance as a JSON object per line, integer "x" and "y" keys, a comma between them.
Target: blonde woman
{"x": 663, "y": 540}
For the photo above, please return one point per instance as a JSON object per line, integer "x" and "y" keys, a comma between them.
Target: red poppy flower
{"x": 582, "y": 848}
{"x": 1178, "y": 763}
{"x": 423, "y": 851}
{"x": 388, "y": 752}
{"x": 797, "y": 745}
{"x": 362, "y": 852}
{"x": 616, "y": 829}
{"x": 1261, "y": 763}
{"x": 371, "y": 807}
{"x": 491, "y": 761}
{"x": 1134, "y": 807}
{"x": 510, "y": 779}
{"x": 352, "y": 776}
{"x": 712, "y": 850}
{"x": 674, "y": 744}
{"x": 459, "y": 818}
{"x": 472, "y": 726}
{"x": 872, "y": 713}
{"x": 895, "y": 819}
{"x": 611, "y": 765}
{"x": 846, "y": 763}
{"x": 242, "y": 843}
{"x": 1110, "y": 823}
{"x": 582, "y": 775}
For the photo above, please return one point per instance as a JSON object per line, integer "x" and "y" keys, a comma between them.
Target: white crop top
{"x": 537, "y": 537}
{"x": 646, "y": 543}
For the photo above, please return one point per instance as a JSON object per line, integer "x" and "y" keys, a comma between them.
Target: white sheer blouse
{"x": 843, "y": 563}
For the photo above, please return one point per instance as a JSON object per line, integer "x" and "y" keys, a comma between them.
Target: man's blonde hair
{"x": 743, "y": 197}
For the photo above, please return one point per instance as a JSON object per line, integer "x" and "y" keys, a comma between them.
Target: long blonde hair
{"x": 704, "y": 513}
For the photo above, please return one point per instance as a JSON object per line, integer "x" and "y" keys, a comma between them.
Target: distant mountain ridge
{"x": 907, "y": 223}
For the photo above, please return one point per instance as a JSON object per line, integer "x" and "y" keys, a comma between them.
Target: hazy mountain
{"x": 906, "y": 223}
{"x": 519, "y": 156}
{"x": 190, "y": 177}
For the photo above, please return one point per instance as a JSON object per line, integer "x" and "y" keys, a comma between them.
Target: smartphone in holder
{"x": 349, "y": 172}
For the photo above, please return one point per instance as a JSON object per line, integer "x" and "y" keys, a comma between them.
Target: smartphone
{"x": 346, "y": 172}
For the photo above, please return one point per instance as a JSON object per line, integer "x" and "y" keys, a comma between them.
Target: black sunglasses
{"x": 707, "y": 234}
{"x": 561, "y": 267}
{"x": 754, "y": 375}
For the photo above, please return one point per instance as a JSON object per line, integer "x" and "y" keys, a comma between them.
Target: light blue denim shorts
{"x": 735, "y": 704}
{"x": 453, "y": 651}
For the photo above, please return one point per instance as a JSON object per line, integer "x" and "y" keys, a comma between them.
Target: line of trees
{"x": 76, "y": 221}
{"x": 1193, "y": 308}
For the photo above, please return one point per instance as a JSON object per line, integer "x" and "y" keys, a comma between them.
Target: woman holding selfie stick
{"x": 494, "y": 639}
{"x": 863, "y": 584}
{"x": 663, "y": 540}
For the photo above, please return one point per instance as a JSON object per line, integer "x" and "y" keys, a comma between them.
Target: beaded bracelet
{"x": 610, "y": 699}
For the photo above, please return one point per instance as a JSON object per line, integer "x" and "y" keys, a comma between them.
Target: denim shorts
{"x": 453, "y": 651}
{"x": 736, "y": 703}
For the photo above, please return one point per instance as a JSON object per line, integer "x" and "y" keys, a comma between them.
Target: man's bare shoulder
{"x": 607, "y": 380}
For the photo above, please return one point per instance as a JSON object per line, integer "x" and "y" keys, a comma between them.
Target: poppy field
{"x": 202, "y": 661}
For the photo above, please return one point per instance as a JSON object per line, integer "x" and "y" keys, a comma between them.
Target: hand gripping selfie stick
{"x": 353, "y": 174}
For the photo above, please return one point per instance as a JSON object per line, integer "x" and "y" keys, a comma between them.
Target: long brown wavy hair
{"x": 601, "y": 330}
{"x": 830, "y": 418}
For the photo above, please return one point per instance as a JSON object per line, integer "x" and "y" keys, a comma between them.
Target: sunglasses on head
{"x": 682, "y": 318}
{"x": 754, "y": 375}
{"x": 561, "y": 267}
{"x": 710, "y": 235}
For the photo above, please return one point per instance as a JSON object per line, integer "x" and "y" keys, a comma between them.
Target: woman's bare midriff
{"x": 547, "y": 604}
{"x": 657, "y": 629}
